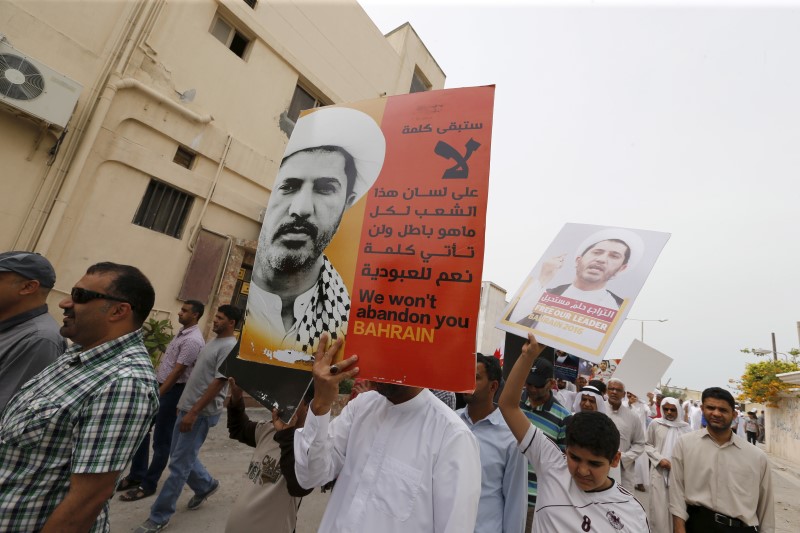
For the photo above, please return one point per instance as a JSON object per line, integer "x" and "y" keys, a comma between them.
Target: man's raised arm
{"x": 318, "y": 455}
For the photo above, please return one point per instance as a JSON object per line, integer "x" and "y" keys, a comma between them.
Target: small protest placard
{"x": 578, "y": 294}
{"x": 642, "y": 368}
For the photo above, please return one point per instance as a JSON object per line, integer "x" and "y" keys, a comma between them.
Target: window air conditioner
{"x": 34, "y": 89}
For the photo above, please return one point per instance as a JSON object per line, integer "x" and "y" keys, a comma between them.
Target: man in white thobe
{"x": 631, "y": 432}
{"x": 695, "y": 417}
{"x": 642, "y": 477}
{"x": 742, "y": 422}
{"x": 662, "y": 435}
{"x": 403, "y": 461}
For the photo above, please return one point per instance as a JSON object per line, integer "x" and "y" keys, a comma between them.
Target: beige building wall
{"x": 155, "y": 79}
{"x": 493, "y": 301}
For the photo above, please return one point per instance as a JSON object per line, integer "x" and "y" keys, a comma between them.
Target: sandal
{"x": 135, "y": 494}
{"x": 127, "y": 484}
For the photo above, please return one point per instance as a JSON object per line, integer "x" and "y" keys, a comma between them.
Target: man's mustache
{"x": 297, "y": 226}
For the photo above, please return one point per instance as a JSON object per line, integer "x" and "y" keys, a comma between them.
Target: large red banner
{"x": 374, "y": 232}
{"x": 416, "y": 291}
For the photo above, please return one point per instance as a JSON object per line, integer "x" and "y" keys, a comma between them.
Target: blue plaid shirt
{"x": 85, "y": 413}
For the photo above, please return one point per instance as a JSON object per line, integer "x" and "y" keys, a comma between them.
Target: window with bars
{"x": 164, "y": 209}
{"x": 225, "y": 33}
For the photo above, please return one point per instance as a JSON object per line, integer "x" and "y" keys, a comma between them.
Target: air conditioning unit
{"x": 29, "y": 87}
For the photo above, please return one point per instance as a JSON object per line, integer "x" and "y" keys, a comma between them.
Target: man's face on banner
{"x": 601, "y": 262}
{"x": 304, "y": 211}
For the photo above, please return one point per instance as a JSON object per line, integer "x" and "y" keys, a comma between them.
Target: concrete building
{"x": 183, "y": 112}
{"x": 493, "y": 301}
{"x": 782, "y": 424}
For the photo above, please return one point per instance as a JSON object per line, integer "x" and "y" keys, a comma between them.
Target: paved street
{"x": 227, "y": 460}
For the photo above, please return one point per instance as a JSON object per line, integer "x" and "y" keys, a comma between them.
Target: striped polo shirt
{"x": 550, "y": 419}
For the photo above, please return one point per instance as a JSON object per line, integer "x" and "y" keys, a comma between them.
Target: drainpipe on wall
{"x": 35, "y": 219}
{"x": 73, "y": 163}
{"x": 198, "y": 226}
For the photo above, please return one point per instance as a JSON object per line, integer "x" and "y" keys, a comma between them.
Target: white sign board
{"x": 642, "y": 368}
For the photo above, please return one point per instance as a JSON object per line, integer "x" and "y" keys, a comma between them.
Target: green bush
{"x": 157, "y": 335}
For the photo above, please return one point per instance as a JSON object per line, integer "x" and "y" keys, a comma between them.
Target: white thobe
{"x": 398, "y": 468}
{"x": 695, "y": 418}
{"x": 642, "y": 466}
{"x": 659, "y": 514}
{"x": 631, "y": 441}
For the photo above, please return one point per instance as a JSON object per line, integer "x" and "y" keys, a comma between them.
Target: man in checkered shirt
{"x": 68, "y": 434}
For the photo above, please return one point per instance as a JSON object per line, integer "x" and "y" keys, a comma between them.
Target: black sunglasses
{"x": 82, "y": 296}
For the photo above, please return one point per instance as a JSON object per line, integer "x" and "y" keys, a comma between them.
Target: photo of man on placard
{"x": 600, "y": 258}
{"x": 332, "y": 159}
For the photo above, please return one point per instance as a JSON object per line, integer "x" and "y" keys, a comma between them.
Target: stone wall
{"x": 783, "y": 429}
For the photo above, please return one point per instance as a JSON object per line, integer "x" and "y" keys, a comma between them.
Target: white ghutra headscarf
{"x": 676, "y": 427}
{"x": 591, "y": 391}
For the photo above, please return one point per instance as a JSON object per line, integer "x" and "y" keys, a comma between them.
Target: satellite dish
{"x": 188, "y": 96}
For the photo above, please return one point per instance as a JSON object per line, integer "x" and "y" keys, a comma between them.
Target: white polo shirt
{"x": 562, "y": 506}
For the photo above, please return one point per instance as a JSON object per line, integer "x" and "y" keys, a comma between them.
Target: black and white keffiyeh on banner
{"x": 327, "y": 311}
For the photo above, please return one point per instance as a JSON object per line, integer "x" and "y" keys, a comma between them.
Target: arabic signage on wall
{"x": 578, "y": 294}
{"x": 407, "y": 176}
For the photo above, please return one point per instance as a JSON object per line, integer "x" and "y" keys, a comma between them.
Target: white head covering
{"x": 678, "y": 422}
{"x": 633, "y": 240}
{"x": 676, "y": 427}
{"x": 353, "y": 130}
{"x": 593, "y": 391}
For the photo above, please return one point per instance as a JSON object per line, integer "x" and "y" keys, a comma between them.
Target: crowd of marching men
{"x": 399, "y": 459}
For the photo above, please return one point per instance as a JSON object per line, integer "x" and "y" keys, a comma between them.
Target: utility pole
{"x": 774, "y": 348}
{"x": 643, "y": 320}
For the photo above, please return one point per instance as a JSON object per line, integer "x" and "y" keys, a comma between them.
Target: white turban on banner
{"x": 353, "y": 130}
{"x": 633, "y": 240}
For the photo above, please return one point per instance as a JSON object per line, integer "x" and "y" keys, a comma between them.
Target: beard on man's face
{"x": 471, "y": 398}
{"x": 295, "y": 256}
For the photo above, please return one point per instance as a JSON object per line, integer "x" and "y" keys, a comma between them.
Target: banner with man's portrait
{"x": 579, "y": 293}
{"x": 374, "y": 232}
